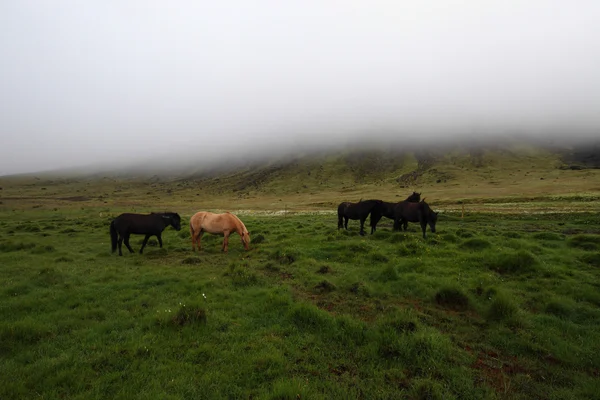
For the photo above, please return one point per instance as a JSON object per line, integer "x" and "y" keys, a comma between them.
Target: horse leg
{"x": 405, "y": 222}
{"x": 126, "y": 240}
{"x": 159, "y": 237}
{"x": 225, "y": 242}
{"x": 192, "y": 235}
{"x": 346, "y": 223}
{"x": 199, "y": 239}
{"x": 362, "y": 227}
{"x": 424, "y": 228}
{"x": 340, "y": 221}
{"x": 120, "y": 243}
{"x": 144, "y": 242}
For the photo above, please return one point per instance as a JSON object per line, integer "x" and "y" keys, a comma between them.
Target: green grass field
{"x": 492, "y": 306}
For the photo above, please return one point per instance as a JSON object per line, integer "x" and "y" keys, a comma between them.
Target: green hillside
{"x": 484, "y": 176}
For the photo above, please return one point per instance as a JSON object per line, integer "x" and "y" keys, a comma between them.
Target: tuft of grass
{"x": 258, "y": 239}
{"x": 475, "y": 244}
{"x": 548, "y": 236}
{"x": 361, "y": 289}
{"x": 189, "y": 315}
{"x": 464, "y": 233}
{"x": 389, "y": 273}
{"x": 379, "y": 258}
{"x": 585, "y": 242}
{"x": 324, "y": 270}
{"x": 452, "y": 297}
{"x": 513, "y": 263}
{"x": 502, "y": 308}
{"x": 242, "y": 276}
{"x": 7, "y": 247}
{"x": 191, "y": 261}
{"x": 562, "y": 308}
{"x": 43, "y": 249}
{"x": 325, "y": 287}
{"x": 306, "y": 316}
{"x": 592, "y": 259}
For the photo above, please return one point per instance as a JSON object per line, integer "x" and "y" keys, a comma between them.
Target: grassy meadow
{"x": 492, "y": 306}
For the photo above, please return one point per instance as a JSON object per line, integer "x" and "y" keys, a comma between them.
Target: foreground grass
{"x": 489, "y": 307}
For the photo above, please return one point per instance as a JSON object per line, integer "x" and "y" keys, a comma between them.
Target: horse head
{"x": 245, "y": 238}
{"x": 174, "y": 220}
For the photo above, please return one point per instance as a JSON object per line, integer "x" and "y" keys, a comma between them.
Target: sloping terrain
{"x": 449, "y": 175}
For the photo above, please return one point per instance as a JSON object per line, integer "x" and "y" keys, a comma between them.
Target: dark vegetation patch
{"x": 592, "y": 259}
{"x": 502, "y": 308}
{"x": 585, "y": 242}
{"x": 43, "y": 249}
{"x": 513, "y": 263}
{"x": 15, "y": 246}
{"x": 191, "y": 261}
{"x": 464, "y": 233}
{"x": 475, "y": 244}
{"x": 258, "y": 239}
{"x": 325, "y": 287}
{"x": 189, "y": 314}
{"x": 389, "y": 273}
{"x": 453, "y": 298}
{"x": 324, "y": 270}
{"x": 548, "y": 236}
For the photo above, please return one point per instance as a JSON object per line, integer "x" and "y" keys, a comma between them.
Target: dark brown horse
{"x": 360, "y": 211}
{"x": 387, "y": 210}
{"x": 406, "y": 212}
{"x": 141, "y": 224}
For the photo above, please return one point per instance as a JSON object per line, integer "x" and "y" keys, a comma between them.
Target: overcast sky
{"x": 89, "y": 81}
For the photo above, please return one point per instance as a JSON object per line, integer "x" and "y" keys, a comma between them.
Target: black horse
{"x": 141, "y": 224}
{"x": 406, "y": 212}
{"x": 360, "y": 211}
{"x": 387, "y": 210}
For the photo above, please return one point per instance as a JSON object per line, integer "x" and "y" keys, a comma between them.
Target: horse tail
{"x": 113, "y": 236}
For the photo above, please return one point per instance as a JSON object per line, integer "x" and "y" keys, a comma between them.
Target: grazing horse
{"x": 141, "y": 224}
{"x": 387, "y": 210}
{"x": 360, "y": 211}
{"x": 217, "y": 223}
{"x": 406, "y": 212}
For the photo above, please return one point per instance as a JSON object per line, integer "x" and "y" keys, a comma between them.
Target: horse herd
{"x": 153, "y": 224}
{"x": 413, "y": 209}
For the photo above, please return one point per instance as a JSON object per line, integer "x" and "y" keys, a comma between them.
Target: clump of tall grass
{"x": 548, "y": 236}
{"x": 389, "y": 273}
{"x": 189, "y": 314}
{"x": 258, "y": 239}
{"x": 513, "y": 263}
{"x": 562, "y": 308}
{"x": 191, "y": 261}
{"x": 15, "y": 246}
{"x": 42, "y": 249}
{"x": 502, "y": 308}
{"x": 325, "y": 286}
{"x": 585, "y": 242}
{"x": 241, "y": 275}
{"x": 452, "y": 297}
{"x": 592, "y": 259}
{"x": 475, "y": 244}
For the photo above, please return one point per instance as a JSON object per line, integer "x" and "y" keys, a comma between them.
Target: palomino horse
{"x": 360, "y": 211}
{"x": 387, "y": 210}
{"x": 226, "y": 223}
{"x": 406, "y": 212}
{"x": 141, "y": 224}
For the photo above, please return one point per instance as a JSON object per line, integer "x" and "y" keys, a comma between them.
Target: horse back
{"x": 138, "y": 223}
